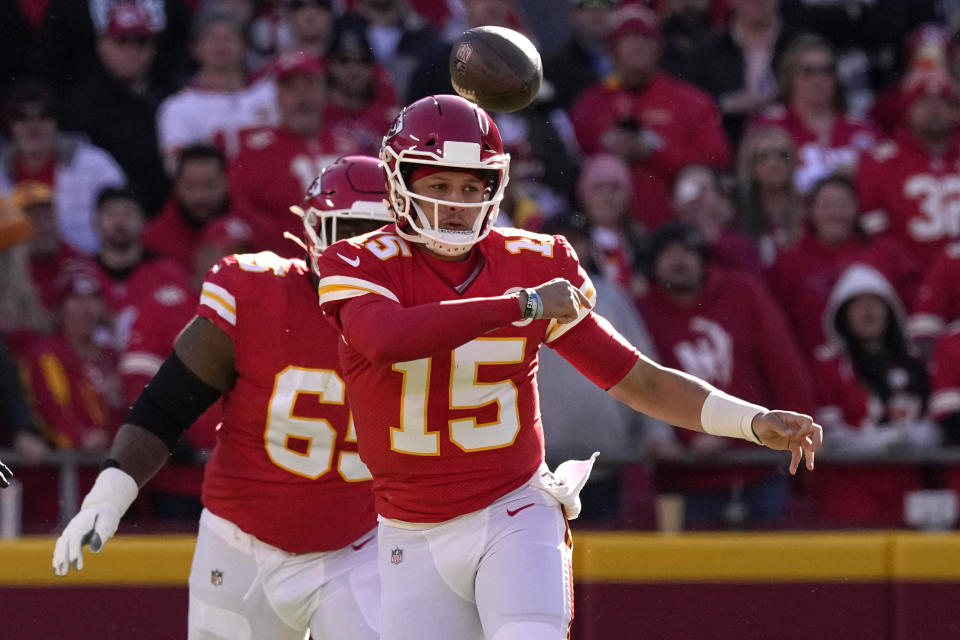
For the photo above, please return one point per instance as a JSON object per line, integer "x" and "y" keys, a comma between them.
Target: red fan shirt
{"x": 285, "y": 468}
{"x": 937, "y": 303}
{"x": 683, "y": 120}
{"x": 945, "y": 376}
{"x": 450, "y": 433}
{"x": 912, "y": 196}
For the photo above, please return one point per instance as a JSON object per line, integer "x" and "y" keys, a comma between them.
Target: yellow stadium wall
{"x": 850, "y": 586}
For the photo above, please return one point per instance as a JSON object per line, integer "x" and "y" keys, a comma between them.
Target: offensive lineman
{"x": 442, "y": 316}
{"x": 286, "y": 543}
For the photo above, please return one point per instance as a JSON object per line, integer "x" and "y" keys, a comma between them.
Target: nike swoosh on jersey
{"x": 514, "y": 512}
{"x": 357, "y": 547}
{"x": 354, "y": 262}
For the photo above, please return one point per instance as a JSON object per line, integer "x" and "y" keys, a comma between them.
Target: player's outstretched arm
{"x": 193, "y": 377}
{"x": 685, "y": 401}
{"x": 5, "y": 475}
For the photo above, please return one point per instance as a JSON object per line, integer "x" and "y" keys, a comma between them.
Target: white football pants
{"x": 244, "y": 589}
{"x": 501, "y": 573}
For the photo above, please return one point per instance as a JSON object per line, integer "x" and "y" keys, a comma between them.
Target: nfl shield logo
{"x": 463, "y": 56}
{"x": 216, "y": 577}
{"x": 396, "y": 556}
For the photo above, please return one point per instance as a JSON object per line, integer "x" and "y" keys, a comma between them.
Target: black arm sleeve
{"x": 172, "y": 401}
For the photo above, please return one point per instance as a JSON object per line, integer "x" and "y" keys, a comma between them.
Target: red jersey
{"x": 125, "y": 291}
{"x": 683, "y": 118}
{"x": 285, "y": 468}
{"x": 735, "y": 337}
{"x": 448, "y": 434}
{"x": 818, "y": 157}
{"x": 803, "y": 276}
{"x": 912, "y": 196}
{"x": 273, "y": 170}
{"x": 945, "y": 376}
{"x": 45, "y": 271}
{"x": 73, "y": 395}
{"x": 172, "y": 236}
{"x": 937, "y": 303}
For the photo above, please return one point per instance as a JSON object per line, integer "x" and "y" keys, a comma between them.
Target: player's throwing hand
{"x": 788, "y": 431}
{"x": 561, "y": 300}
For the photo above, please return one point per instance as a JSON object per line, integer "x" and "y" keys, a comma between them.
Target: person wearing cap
{"x": 200, "y": 195}
{"x": 221, "y": 98}
{"x": 873, "y": 395}
{"x": 741, "y": 344}
{"x": 909, "y": 187}
{"x": 50, "y": 256}
{"x": 827, "y": 140}
{"x": 37, "y": 151}
{"x": 72, "y": 378}
{"x": 655, "y": 123}
{"x": 584, "y": 58}
{"x": 277, "y": 164}
{"x": 115, "y": 104}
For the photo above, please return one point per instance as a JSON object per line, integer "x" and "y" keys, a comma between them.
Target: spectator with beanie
{"x": 200, "y": 194}
{"x": 130, "y": 274}
{"x": 219, "y": 101}
{"x": 276, "y": 165}
{"x": 50, "y": 256}
{"x": 69, "y": 165}
{"x": 742, "y": 345}
{"x": 909, "y": 187}
{"x": 657, "y": 124}
{"x": 873, "y": 393}
{"x": 116, "y": 103}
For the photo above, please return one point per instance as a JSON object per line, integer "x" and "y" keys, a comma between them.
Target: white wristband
{"x": 725, "y": 415}
{"x": 114, "y": 489}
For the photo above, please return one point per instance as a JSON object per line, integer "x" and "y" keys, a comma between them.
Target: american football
{"x": 495, "y": 67}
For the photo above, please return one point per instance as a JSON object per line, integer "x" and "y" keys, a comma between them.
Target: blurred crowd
{"x": 765, "y": 192}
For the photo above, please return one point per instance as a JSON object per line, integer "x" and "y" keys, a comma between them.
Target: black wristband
{"x": 110, "y": 463}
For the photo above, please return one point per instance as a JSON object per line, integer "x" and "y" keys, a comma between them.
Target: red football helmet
{"x": 352, "y": 188}
{"x": 444, "y": 131}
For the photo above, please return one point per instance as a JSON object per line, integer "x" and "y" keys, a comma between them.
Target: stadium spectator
{"x": 401, "y": 40}
{"x": 219, "y": 101}
{"x": 19, "y": 40}
{"x": 873, "y": 393}
{"x": 605, "y": 195}
{"x": 50, "y": 256}
{"x": 310, "y": 23}
{"x": 702, "y": 200}
{"x": 584, "y": 59}
{"x": 431, "y": 343}
{"x": 129, "y": 274}
{"x": 200, "y": 195}
{"x": 73, "y": 379}
{"x": 945, "y": 383}
{"x": 432, "y": 74}
{"x": 737, "y": 64}
{"x": 36, "y": 151}
{"x": 908, "y": 187}
{"x": 804, "y": 274}
{"x": 22, "y": 317}
{"x": 16, "y": 421}
{"x": 568, "y": 401}
{"x": 771, "y": 210}
{"x": 686, "y": 25}
{"x": 657, "y": 124}
{"x": 812, "y": 113}
{"x": 742, "y": 345}
{"x": 115, "y": 104}
{"x": 361, "y": 103}
{"x": 276, "y": 165}
{"x": 937, "y": 303}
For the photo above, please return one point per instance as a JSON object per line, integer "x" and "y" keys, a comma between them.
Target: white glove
{"x": 111, "y": 496}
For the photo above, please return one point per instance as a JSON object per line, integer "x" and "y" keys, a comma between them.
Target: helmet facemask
{"x": 418, "y": 216}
